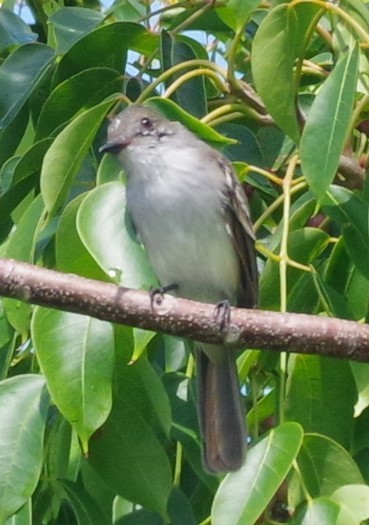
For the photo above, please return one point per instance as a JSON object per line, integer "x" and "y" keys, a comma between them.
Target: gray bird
{"x": 192, "y": 216}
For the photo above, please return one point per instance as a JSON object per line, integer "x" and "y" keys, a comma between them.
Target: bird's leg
{"x": 223, "y": 313}
{"x": 156, "y": 294}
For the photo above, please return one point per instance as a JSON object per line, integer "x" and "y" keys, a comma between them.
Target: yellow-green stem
{"x": 283, "y": 274}
{"x": 176, "y": 69}
{"x": 192, "y": 74}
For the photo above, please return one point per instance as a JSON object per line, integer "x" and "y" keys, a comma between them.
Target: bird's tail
{"x": 220, "y": 412}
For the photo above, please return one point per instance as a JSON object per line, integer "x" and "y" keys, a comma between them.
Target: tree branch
{"x": 300, "y": 333}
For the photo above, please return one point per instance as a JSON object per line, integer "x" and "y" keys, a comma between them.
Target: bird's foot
{"x": 223, "y": 313}
{"x": 156, "y": 294}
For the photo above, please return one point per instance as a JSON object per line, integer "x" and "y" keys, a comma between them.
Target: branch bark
{"x": 301, "y": 333}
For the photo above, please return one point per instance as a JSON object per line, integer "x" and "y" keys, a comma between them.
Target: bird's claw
{"x": 156, "y": 294}
{"x": 223, "y": 313}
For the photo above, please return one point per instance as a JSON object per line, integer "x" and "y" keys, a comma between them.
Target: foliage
{"x": 98, "y": 423}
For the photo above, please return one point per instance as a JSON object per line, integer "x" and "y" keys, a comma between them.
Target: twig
{"x": 300, "y": 333}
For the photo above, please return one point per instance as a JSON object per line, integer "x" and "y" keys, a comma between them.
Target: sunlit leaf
{"x": 65, "y": 156}
{"x": 23, "y": 407}
{"x": 243, "y": 495}
{"x": 76, "y": 357}
{"x": 326, "y": 127}
{"x": 108, "y": 235}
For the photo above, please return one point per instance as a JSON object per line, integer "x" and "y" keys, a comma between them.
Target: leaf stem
{"x": 192, "y": 74}
{"x": 176, "y": 69}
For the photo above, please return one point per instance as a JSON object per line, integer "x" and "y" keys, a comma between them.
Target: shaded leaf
{"x": 304, "y": 246}
{"x": 71, "y": 254}
{"x": 70, "y": 24}
{"x": 191, "y": 95}
{"x": 10, "y": 200}
{"x": 21, "y": 247}
{"x": 320, "y": 395}
{"x": 19, "y": 75}
{"x": 13, "y": 30}
{"x": 84, "y": 507}
{"x": 107, "y": 46}
{"x": 135, "y": 452}
{"x": 352, "y": 213}
{"x": 81, "y": 91}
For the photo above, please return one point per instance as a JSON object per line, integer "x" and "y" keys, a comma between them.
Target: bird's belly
{"x": 192, "y": 249}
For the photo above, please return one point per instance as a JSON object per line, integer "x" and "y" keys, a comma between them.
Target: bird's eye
{"x": 146, "y": 123}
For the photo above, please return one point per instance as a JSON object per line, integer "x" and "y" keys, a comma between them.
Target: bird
{"x": 191, "y": 214}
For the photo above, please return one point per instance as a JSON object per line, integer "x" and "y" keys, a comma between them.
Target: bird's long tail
{"x": 220, "y": 412}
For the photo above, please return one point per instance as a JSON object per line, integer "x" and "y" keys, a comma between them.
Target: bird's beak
{"x": 113, "y": 146}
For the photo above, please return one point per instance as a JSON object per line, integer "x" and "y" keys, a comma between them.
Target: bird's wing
{"x": 239, "y": 225}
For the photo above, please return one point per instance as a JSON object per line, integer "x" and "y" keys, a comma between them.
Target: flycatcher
{"x": 191, "y": 214}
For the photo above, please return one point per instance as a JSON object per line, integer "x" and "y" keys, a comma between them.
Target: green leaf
{"x": 325, "y": 466}
{"x": 76, "y": 259}
{"x": 65, "y": 156}
{"x": 352, "y": 212}
{"x": 191, "y": 95}
{"x": 301, "y": 211}
{"x": 332, "y": 302}
{"x": 360, "y": 373}
{"x": 328, "y": 121}
{"x": 30, "y": 163}
{"x": 85, "y": 509}
{"x": 70, "y": 24}
{"x": 321, "y": 395}
{"x": 173, "y": 112}
{"x": 304, "y": 246}
{"x": 109, "y": 170}
{"x": 343, "y": 276}
{"x": 11, "y": 135}
{"x": 356, "y": 500}
{"x": 78, "y": 93}
{"x": 76, "y": 356}
{"x": 273, "y": 60}
{"x": 246, "y": 149}
{"x": 23, "y": 516}
{"x": 127, "y": 452}
{"x": 21, "y": 247}
{"x": 13, "y": 30}
{"x": 359, "y": 9}
{"x": 10, "y": 200}
{"x": 107, "y": 46}
{"x": 243, "y": 495}
{"x": 108, "y": 235}
{"x": 32, "y": 60}
{"x": 129, "y": 11}
{"x": 23, "y": 407}
{"x": 324, "y": 511}
{"x": 236, "y": 12}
